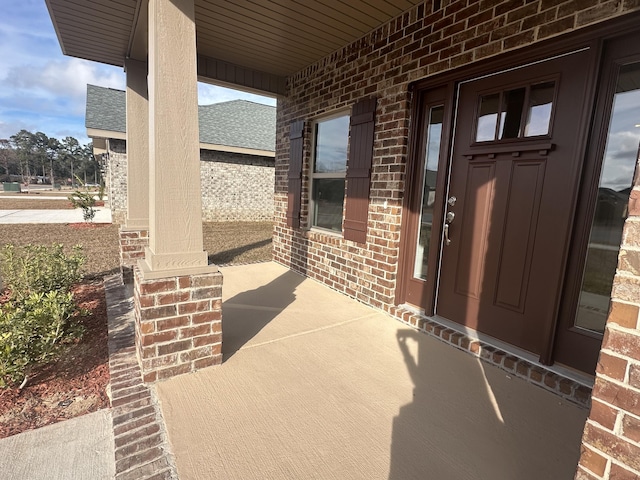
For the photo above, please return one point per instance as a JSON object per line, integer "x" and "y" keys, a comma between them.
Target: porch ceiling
{"x": 276, "y": 37}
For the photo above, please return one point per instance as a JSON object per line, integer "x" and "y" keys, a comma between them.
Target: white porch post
{"x": 175, "y": 211}
{"x": 137, "y": 145}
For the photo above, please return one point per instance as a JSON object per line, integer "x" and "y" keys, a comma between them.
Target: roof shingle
{"x": 238, "y": 123}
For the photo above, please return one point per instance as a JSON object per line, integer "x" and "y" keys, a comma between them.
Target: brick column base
{"x": 178, "y": 324}
{"x": 132, "y": 245}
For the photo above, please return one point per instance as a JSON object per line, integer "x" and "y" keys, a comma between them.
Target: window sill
{"x": 324, "y": 236}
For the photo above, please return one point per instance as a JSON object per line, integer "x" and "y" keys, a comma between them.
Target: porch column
{"x": 177, "y": 294}
{"x": 134, "y": 234}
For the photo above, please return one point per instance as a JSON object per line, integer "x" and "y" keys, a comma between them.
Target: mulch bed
{"x": 74, "y": 385}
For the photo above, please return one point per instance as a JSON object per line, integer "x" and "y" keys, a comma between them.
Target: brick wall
{"x": 235, "y": 187}
{"x": 611, "y": 442}
{"x": 418, "y": 44}
{"x": 116, "y": 166}
{"x": 178, "y": 324}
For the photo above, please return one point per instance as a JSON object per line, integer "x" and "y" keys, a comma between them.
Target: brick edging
{"x": 532, "y": 373}
{"x": 141, "y": 448}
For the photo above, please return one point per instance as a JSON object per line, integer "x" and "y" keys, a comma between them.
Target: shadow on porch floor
{"x": 316, "y": 385}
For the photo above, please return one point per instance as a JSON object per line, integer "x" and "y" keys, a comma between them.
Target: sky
{"x": 43, "y": 90}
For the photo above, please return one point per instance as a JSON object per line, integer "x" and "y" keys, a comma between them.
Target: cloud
{"x": 63, "y": 79}
{"x": 208, "y": 94}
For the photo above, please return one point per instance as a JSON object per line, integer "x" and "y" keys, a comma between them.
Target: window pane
{"x": 332, "y": 139}
{"x": 616, "y": 179}
{"x": 511, "y": 113}
{"x": 434, "y": 133}
{"x": 487, "y": 118}
{"x": 328, "y": 199}
{"x": 540, "y": 104}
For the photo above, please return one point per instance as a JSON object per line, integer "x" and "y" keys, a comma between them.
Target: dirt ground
{"x": 77, "y": 383}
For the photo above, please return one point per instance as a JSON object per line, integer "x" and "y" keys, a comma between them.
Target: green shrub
{"x": 39, "y": 269}
{"x": 86, "y": 201}
{"x": 38, "y": 318}
{"x": 33, "y": 331}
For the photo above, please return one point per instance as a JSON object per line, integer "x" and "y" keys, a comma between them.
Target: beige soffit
{"x": 96, "y": 133}
{"x": 252, "y": 43}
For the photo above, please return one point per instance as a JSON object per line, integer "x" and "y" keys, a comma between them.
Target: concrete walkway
{"x": 103, "y": 215}
{"x": 76, "y": 449}
{"x": 317, "y": 386}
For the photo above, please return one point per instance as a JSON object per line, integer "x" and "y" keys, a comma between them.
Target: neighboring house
{"x": 459, "y": 164}
{"x": 237, "y": 142}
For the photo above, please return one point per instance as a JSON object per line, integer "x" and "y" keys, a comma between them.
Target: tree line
{"x": 36, "y": 158}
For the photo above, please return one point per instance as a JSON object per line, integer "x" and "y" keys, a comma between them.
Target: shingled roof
{"x": 238, "y": 123}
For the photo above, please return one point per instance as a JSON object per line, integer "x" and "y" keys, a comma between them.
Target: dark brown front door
{"x": 512, "y": 192}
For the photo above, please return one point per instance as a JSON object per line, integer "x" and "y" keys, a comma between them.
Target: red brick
{"x": 191, "y": 332}
{"x": 634, "y": 376}
{"x": 192, "y": 307}
{"x": 618, "y": 472}
{"x": 155, "y": 313}
{"x": 156, "y": 286}
{"x": 208, "y": 361}
{"x": 150, "y": 377}
{"x": 619, "y": 395}
{"x": 147, "y": 327}
{"x": 175, "y": 322}
{"x": 173, "y": 371}
{"x": 207, "y": 340}
{"x": 212, "y": 316}
{"x": 206, "y": 280}
{"x": 634, "y": 198}
{"x": 603, "y": 414}
{"x": 583, "y": 474}
{"x": 174, "y": 347}
{"x": 611, "y": 366}
{"x": 608, "y": 443}
{"x": 136, "y": 448}
{"x": 158, "y": 337}
{"x": 631, "y": 428}
{"x": 205, "y": 293}
{"x": 184, "y": 282}
{"x": 623, "y": 314}
{"x": 173, "y": 297}
{"x": 623, "y": 343}
{"x": 195, "y": 354}
{"x": 146, "y": 301}
{"x": 592, "y": 460}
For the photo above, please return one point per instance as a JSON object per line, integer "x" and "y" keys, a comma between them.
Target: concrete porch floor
{"x": 315, "y": 385}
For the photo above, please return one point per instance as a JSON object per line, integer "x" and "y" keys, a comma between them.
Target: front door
{"x": 511, "y": 199}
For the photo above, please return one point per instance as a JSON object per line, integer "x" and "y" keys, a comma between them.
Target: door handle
{"x": 448, "y": 220}
{"x": 446, "y": 234}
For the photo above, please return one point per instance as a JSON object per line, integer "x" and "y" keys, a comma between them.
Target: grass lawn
{"x": 226, "y": 242}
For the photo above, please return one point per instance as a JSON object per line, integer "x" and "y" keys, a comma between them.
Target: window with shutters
{"x": 340, "y": 171}
{"x": 331, "y": 144}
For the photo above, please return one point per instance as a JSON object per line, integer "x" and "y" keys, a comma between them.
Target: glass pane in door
{"x": 434, "y": 134}
{"x": 618, "y": 166}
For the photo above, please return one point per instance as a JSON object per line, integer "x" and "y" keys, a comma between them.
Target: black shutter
{"x": 296, "y": 140}
{"x": 359, "y": 170}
